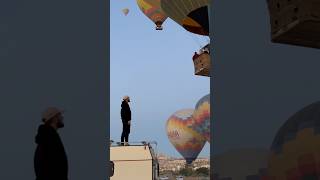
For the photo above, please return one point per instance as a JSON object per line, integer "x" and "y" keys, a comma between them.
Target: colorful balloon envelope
{"x": 187, "y": 142}
{"x": 295, "y": 151}
{"x": 201, "y": 117}
{"x": 125, "y": 11}
{"x": 190, "y": 14}
{"x": 152, "y": 9}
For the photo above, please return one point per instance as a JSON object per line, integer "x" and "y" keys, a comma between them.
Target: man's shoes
{"x": 126, "y": 144}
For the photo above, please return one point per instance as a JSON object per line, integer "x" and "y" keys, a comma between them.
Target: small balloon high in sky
{"x": 125, "y": 11}
{"x": 152, "y": 9}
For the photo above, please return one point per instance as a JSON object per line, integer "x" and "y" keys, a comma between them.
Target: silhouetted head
{"x": 54, "y": 117}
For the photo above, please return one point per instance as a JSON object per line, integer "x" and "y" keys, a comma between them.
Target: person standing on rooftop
{"x": 126, "y": 120}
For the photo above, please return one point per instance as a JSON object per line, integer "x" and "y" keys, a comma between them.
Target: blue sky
{"x": 155, "y": 69}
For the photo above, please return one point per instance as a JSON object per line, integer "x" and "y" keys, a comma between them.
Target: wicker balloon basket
{"x": 202, "y": 65}
{"x": 295, "y": 22}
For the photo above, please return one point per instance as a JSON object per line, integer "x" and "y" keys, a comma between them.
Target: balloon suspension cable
{"x": 193, "y": 38}
{"x": 208, "y": 40}
{"x": 201, "y": 40}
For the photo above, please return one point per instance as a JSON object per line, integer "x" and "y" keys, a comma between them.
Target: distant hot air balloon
{"x": 295, "y": 151}
{"x": 152, "y": 9}
{"x": 125, "y": 11}
{"x": 188, "y": 142}
{"x": 190, "y": 14}
{"x": 201, "y": 117}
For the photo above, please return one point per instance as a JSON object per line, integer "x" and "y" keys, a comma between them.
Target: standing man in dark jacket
{"x": 50, "y": 160}
{"x": 126, "y": 120}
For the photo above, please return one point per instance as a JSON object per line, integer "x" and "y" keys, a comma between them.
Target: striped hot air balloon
{"x": 201, "y": 117}
{"x": 190, "y": 14}
{"x": 152, "y": 9}
{"x": 295, "y": 151}
{"x": 187, "y": 142}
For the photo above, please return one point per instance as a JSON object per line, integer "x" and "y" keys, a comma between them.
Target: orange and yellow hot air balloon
{"x": 295, "y": 151}
{"x": 201, "y": 117}
{"x": 152, "y": 9}
{"x": 187, "y": 142}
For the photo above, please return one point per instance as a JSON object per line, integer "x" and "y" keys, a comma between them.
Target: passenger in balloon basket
{"x": 126, "y": 120}
{"x": 206, "y": 51}
{"x": 195, "y": 56}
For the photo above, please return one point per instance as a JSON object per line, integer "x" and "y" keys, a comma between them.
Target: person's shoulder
{"x": 124, "y": 103}
{"x": 41, "y": 127}
{"x": 44, "y": 132}
{"x": 45, "y": 128}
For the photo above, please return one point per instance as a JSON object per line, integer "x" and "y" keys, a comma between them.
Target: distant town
{"x": 172, "y": 167}
{"x": 168, "y": 163}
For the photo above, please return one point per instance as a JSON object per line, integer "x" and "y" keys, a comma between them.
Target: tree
{"x": 203, "y": 171}
{"x": 186, "y": 172}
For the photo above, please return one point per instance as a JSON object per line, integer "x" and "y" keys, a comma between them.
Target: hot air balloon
{"x": 190, "y": 14}
{"x": 295, "y": 151}
{"x": 125, "y": 11}
{"x": 201, "y": 117}
{"x": 244, "y": 164}
{"x": 187, "y": 142}
{"x": 295, "y": 22}
{"x": 152, "y": 9}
